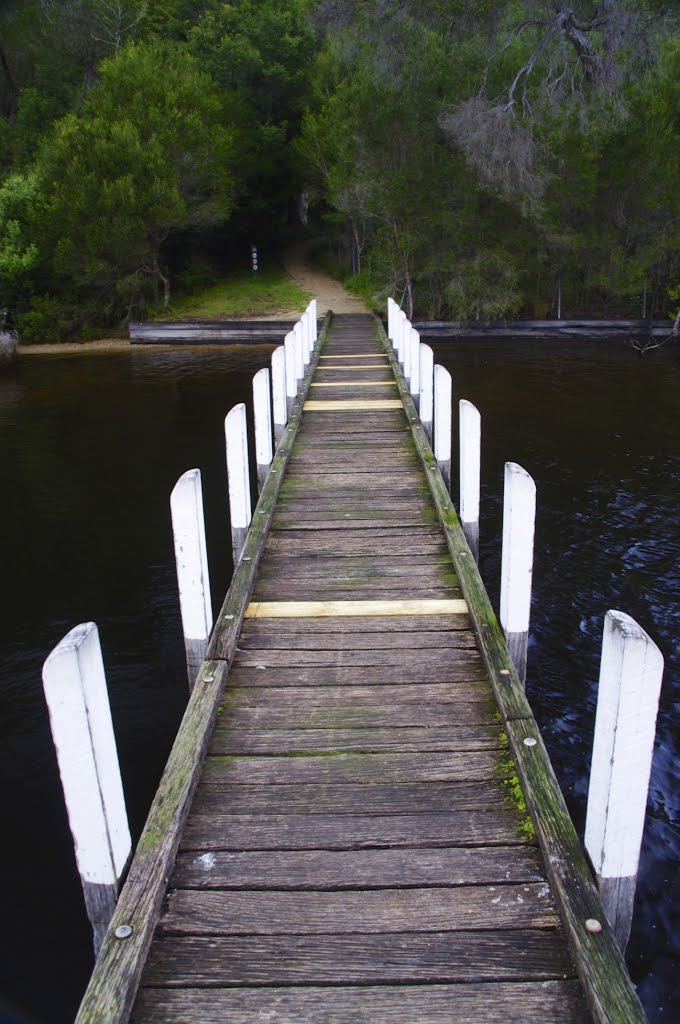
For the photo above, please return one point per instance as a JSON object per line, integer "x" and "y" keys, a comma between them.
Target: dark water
{"x": 90, "y": 449}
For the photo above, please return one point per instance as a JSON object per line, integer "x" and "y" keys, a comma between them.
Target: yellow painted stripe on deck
{"x": 359, "y": 366}
{"x": 355, "y": 384}
{"x": 355, "y": 355}
{"x": 340, "y": 404}
{"x": 351, "y": 609}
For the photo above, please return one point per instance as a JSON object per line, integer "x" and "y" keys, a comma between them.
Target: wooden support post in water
{"x": 443, "y": 390}
{"x": 291, "y": 378}
{"x": 80, "y": 717}
{"x": 191, "y": 557}
{"x": 427, "y": 389}
{"x": 279, "y": 392}
{"x": 470, "y": 469}
{"x": 625, "y": 723}
{"x": 262, "y": 406}
{"x": 517, "y": 560}
{"x": 414, "y": 339}
{"x": 239, "y": 478}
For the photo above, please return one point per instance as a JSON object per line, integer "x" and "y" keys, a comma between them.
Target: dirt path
{"x": 328, "y": 292}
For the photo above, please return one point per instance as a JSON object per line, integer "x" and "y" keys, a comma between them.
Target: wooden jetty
{"x": 209, "y": 332}
{"x": 335, "y": 837}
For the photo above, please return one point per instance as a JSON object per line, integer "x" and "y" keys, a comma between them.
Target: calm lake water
{"x": 90, "y": 448}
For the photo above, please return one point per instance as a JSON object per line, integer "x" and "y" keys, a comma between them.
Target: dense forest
{"x": 473, "y": 158}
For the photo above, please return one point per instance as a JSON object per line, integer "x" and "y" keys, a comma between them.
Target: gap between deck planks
{"x": 356, "y": 758}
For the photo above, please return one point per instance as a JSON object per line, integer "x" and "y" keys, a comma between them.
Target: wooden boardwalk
{"x": 352, "y": 852}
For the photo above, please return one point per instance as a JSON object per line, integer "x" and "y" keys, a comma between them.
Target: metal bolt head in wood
{"x": 631, "y": 671}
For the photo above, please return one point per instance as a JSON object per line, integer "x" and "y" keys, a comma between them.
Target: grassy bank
{"x": 269, "y": 292}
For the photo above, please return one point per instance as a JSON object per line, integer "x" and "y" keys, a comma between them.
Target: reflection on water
{"x": 90, "y": 450}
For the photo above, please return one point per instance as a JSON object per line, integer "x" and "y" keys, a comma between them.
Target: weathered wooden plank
{"x": 542, "y": 1002}
{"x": 355, "y": 659}
{"x": 498, "y": 826}
{"x": 269, "y": 591}
{"x": 340, "y": 869}
{"x": 334, "y": 423}
{"x": 359, "y": 542}
{"x": 368, "y": 675}
{"x": 323, "y": 741}
{"x": 378, "y": 590}
{"x": 327, "y": 959}
{"x": 471, "y": 702}
{"x": 359, "y": 504}
{"x": 405, "y": 798}
{"x": 351, "y": 609}
{"x": 360, "y": 624}
{"x": 340, "y": 521}
{"x": 350, "y": 404}
{"x": 338, "y": 767}
{"x": 369, "y": 911}
{"x": 309, "y": 713}
{"x": 335, "y": 641}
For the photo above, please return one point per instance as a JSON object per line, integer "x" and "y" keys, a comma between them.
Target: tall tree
{"x": 150, "y": 153}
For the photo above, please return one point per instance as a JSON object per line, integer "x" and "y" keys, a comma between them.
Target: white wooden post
{"x": 517, "y": 559}
{"x": 80, "y": 717}
{"x": 314, "y": 322}
{"x": 239, "y": 478}
{"x": 279, "y": 392}
{"x": 299, "y": 353}
{"x": 401, "y": 331}
{"x": 291, "y": 379}
{"x": 191, "y": 557}
{"x": 262, "y": 406}
{"x": 443, "y": 389}
{"x": 306, "y": 341}
{"x": 470, "y": 469}
{"x": 414, "y": 341}
{"x": 406, "y": 348}
{"x": 391, "y": 320}
{"x": 427, "y": 389}
{"x": 625, "y": 723}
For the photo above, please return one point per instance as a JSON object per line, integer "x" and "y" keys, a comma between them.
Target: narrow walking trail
{"x": 298, "y": 263}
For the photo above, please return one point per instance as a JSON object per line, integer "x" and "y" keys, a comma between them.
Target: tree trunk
{"x": 12, "y": 90}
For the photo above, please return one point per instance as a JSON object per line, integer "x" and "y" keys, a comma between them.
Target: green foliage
{"x": 148, "y": 154}
{"x": 17, "y": 254}
{"x": 468, "y": 156}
